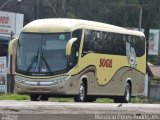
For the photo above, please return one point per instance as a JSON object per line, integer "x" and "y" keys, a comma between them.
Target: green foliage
{"x": 138, "y": 100}
{"x": 125, "y": 13}
{"x": 118, "y": 12}
{"x": 156, "y": 79}
{"x": 154, "y": 59}
{"x": 104, "y": 100}
{"x": 54, "y": 99}
{"x": 98, "y": 100}
{"x": 13, "y": 97}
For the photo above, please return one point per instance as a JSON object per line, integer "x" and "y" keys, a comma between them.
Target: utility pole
{"x": 146, "y": 32}
{"x": 140, "y": 18}
{"x": 33, "y": 15}
{"x": 140, "y": 15}
{"x": 37, "y": 9}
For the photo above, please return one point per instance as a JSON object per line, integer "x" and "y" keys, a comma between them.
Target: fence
{"x": 154, "y": 89}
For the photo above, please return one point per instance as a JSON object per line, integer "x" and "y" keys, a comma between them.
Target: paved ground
{"x": 26, "y": 110}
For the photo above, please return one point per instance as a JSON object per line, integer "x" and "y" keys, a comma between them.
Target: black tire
{"x": 118, "y": 99}
{"x": 91, "y": 99}
{"x": 35, "y": 97}
{"x": 82, "y": 96}
{"x": 44, "y": 97}
{"x": 127, "y": 95}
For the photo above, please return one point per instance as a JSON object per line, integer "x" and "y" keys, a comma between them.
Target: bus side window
{"x": 139, "y": 46}
{"x": 76, "y": 34}
{"x": 119, "y": 43}
{"x": 88, "y": 42}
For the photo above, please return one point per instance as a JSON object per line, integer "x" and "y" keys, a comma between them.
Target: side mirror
{"x": 11, "y": 46}
{"x": 69, "y": 46}
{"x": 69, "y": 53}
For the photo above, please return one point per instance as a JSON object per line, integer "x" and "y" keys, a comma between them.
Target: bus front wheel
{"x": 37, "y": 97}
{"x": 34, "y": 97}
{"x": 44, "y": 97}
{"x": 82, "y": 96}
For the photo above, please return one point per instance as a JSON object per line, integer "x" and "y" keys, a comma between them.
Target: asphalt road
{"x": 26, "y": 110}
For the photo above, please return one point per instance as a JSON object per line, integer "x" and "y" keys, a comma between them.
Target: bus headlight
{"x": 19, "y": 80}
{"x": 61, "y": 80}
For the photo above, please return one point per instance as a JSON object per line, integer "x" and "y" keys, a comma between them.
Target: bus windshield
{"x": 42, "y": 53}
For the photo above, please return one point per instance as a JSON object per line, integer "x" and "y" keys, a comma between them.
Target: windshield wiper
{"x": 44, "y": 59}
{"x": 35, "y": 59}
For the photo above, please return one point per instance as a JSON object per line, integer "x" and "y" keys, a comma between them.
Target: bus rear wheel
{"x": 127, "y": 95}
{"x": 82, "y": 96}
{"x": 91, "y": 99}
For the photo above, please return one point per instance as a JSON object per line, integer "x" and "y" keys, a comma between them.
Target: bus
{"x": 82, "y": 59}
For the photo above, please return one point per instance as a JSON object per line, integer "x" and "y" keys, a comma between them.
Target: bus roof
{"x": 52, "y": 25}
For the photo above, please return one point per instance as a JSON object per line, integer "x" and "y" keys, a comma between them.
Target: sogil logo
{"x": 4, "y": 19}
{"x": 105, "y": 63}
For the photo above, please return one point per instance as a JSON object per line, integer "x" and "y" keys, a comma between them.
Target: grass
{"x": 138, "y": 100}
{"x": 54, "y": 99}
{"x": 104, "y": 100}
{"x": 99, "y": 100}
{"x": 13, "y": 97}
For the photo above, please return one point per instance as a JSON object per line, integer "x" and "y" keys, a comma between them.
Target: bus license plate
{"x": 39, "y": 89}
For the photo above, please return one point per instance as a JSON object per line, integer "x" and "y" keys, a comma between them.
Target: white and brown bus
{"x": 79, "y": 58}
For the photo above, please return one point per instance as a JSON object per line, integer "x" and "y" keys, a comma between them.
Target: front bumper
{"x": 51, "y": 86}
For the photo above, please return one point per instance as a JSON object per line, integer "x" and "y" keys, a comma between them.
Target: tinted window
{"x": 87, "y": 46}
{"x": 139, "y": 46}
{"x": 42, "y": 53}
{"x": 75, "y": 48}
{"x": 112, "y": 43}
{"x": 104, "y": 42}
{"x": 138, "y": 43}
{"x": 119, "y": 44}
